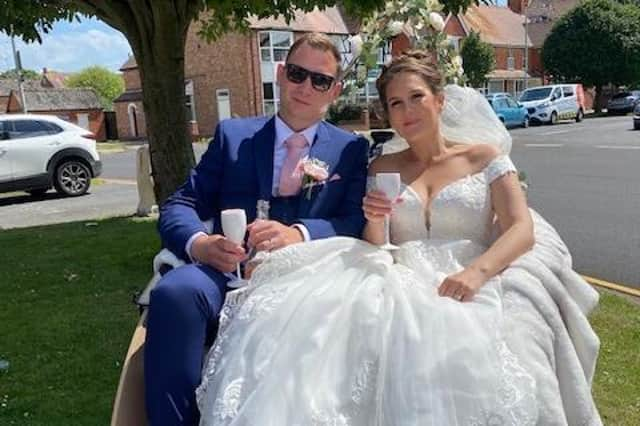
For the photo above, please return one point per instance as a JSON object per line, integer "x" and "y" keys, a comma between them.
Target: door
{"x": 515, "y": 117}
{"x": 557, "y": 101}
{"x": 569, "y": 102}
{"x": 31, "y": 143}
{"x": 83, "y": 121}
{"x": 5, "y": 165}
{"x": 224, "y": 104}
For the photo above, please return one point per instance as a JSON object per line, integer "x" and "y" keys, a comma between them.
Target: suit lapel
{"x": 321, "y": 149}
{"x": 263, "y": 146}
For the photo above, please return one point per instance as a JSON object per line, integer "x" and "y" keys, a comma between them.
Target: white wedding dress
{"x": 338, "y": 332}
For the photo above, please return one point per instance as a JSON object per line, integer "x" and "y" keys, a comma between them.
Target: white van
{"x": 548, "y": 104}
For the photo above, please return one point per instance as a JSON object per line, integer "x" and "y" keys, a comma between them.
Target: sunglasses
{"x": 321, "y": 82}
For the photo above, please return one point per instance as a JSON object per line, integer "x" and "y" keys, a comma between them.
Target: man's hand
{"x": 217, "y": 251}
{"x": 270, "y": 235}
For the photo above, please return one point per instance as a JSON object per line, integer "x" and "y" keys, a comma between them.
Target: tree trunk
{"x": 162, "y": 75}
{"x": 597, "y": 104}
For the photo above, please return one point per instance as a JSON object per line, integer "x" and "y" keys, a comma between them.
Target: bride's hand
{"x": 463, "y": 285}
{"x": 376, "y": 205}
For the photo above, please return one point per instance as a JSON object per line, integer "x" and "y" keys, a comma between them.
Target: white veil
{"x": 467, "y": 118}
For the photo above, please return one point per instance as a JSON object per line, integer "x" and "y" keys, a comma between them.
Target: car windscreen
{"x": 535, "y": 94}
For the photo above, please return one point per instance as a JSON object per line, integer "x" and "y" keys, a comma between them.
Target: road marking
{"x": 544, "y": 145}
{"x": 616, "y": 147}
{"x": 555, "y": 132}
{"x": 612, "y": 286}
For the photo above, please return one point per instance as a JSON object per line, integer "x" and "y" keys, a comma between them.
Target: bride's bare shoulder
{"x": 480, "y": 154}
{"x": 386, "y": 163}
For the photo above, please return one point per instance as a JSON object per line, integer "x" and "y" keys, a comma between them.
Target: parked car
{"x": 623, "y": 102}
{"x": 636, "y": 118}
{"x": 510, "y": 112}
{"x": 38, "y": 152}
{"x": 548, "y": 104}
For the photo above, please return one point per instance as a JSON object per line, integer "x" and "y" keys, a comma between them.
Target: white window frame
{"x": 274, "y": 64}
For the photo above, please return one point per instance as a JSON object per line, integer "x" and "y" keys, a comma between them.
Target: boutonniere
{"x": 314, "y": 172}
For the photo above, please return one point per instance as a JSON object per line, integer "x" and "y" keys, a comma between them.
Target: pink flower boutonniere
{"x": 314, "y": 172}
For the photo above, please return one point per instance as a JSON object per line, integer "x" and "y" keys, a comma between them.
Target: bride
{"x": 477, "y": 318}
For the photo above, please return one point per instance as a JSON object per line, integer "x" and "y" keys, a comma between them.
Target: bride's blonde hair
{"x": 417, "y": 62}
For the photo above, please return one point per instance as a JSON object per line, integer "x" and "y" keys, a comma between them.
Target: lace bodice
{"x": 461, "y": 210}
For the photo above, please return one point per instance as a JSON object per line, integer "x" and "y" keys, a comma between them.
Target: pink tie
{"x": 289, "y": 184}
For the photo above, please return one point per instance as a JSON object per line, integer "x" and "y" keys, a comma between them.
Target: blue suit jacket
{"x": 237, "y": 170}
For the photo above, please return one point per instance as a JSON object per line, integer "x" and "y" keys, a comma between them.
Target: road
{"x": 584, "y": 178}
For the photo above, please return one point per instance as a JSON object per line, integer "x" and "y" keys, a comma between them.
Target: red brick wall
{"x": 399, "y": 44}
{"x": 502, "y": 53}
{"x": 535, "y": 63}
{"x": 131, "y": 79}
{"x": 454, "y": 27}
{"x": 122, "y": 120}
{"x": 4, "y": 104}
{"x": 230, "y": 63}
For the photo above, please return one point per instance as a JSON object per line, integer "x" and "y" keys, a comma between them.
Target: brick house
{"x": 234, "y": 76}
{"x": 79, "y": 106}
{"x": 130, "y": 118}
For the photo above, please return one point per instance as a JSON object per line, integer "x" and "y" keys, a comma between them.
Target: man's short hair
{"x": 321, "y": 42}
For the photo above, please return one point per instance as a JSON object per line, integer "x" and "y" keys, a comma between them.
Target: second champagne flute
{"x": 234, "y": 227}
{"x": 389, "y": 184}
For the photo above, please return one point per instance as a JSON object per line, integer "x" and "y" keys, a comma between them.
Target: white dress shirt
{"x": 283, "y": 131}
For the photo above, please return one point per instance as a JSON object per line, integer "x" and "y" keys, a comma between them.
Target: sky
{"x": 70, "y": 47}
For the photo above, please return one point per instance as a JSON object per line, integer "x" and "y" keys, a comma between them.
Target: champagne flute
{"x": 234, "y": 227}
{"x": 389, "y": 184}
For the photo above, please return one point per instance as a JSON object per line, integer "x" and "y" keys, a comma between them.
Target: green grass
{"x": 110, "y": 146}
{"x": 617, "y": 383}
{"x": 66, "y": 318}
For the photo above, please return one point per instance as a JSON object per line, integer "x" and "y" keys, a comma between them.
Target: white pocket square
{"x": 335, "y": 177}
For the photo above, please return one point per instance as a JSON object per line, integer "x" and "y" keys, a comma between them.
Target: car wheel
{"x": 579, "y": 115}
{"x": 554, "y": 118}
{"x": 525, "y": 123}
{"x": 37, "y": 192}
{"x": 72, "y": 178}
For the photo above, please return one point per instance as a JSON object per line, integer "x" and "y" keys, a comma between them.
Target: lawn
{"x": 66, "y": 318}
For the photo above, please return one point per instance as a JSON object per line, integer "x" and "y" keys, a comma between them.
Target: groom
{"x": 248, "y": 160}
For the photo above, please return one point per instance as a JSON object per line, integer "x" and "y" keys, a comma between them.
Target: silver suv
{"x": 38, "y": 152}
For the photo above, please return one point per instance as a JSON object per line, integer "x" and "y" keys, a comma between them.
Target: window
{"x": 500, "y": 103}
{"x": 496, "y": 86}
{"x": 19, "y": 129}
{"x": 274, "y": 47}
{"x": 511, "y": 103}
{"x": 510, "y": 63}
{"x": 454, "y": 42}
{"x": 557, "y": 94}
{"x": 568, "y": 91}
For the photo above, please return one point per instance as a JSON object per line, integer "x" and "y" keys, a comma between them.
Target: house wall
{"x": 503, "y": 52}
{"x": 123, "y": 121}
{"x": 231, "y": 63}
{"x": 454, "y": 27}
{"x": 131, "y": 79}
{"x": 4, "y": 104}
